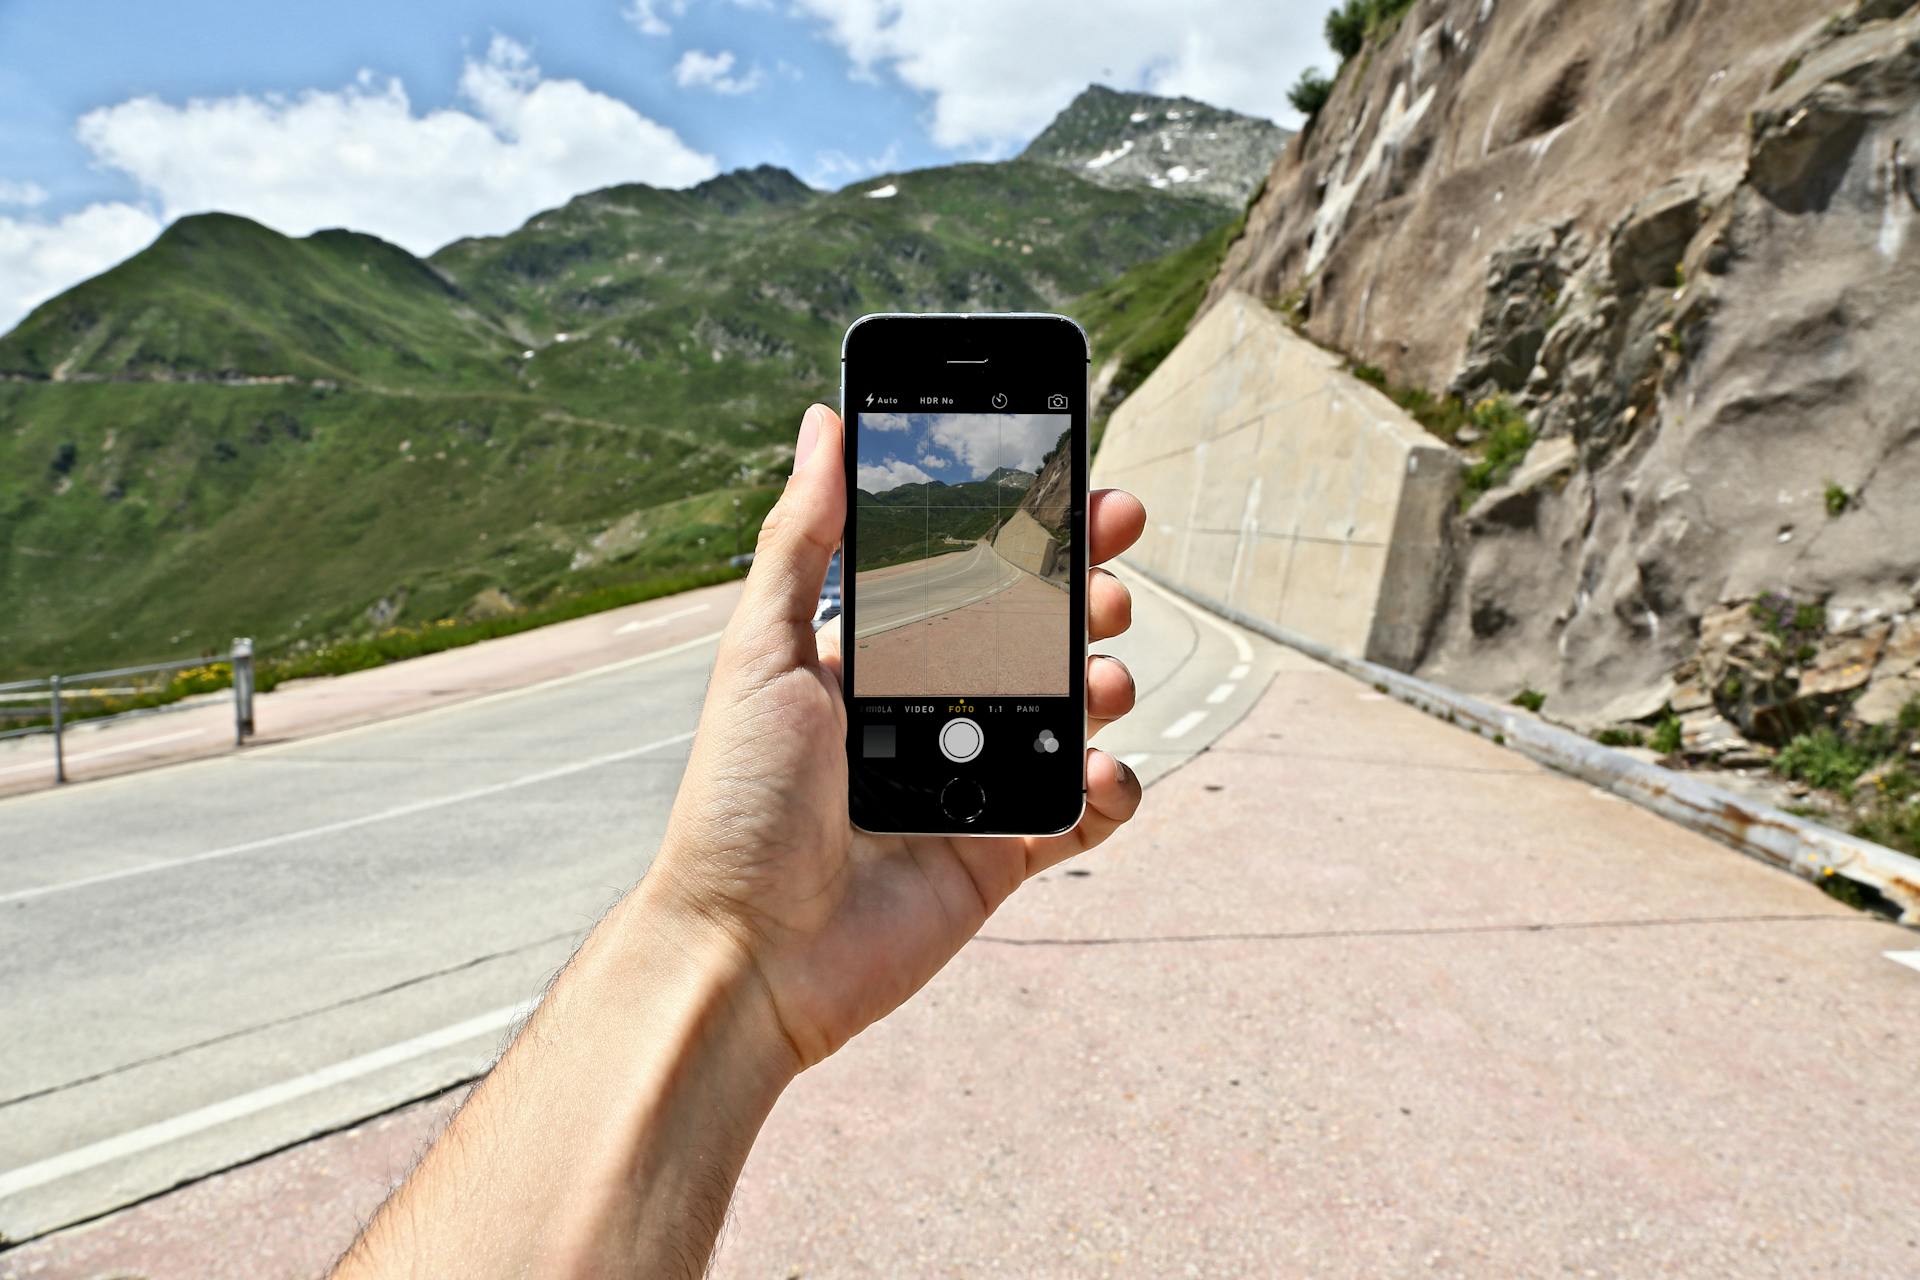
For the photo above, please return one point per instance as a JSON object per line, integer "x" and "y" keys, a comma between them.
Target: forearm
{"x": 608, "y": 1139}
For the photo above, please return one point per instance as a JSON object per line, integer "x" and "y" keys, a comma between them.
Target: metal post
{"x": 59, "y": 725}
{"x": 242, "y": 690}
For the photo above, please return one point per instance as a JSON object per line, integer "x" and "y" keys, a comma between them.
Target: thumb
{"x": 797, "y": 540}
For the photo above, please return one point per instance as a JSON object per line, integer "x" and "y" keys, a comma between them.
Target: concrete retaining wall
{"x": 1024, "y": 543}
{"x": 1281, "y": 485}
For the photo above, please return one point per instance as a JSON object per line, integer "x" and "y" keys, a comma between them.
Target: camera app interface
{"x": 962, "y": 537}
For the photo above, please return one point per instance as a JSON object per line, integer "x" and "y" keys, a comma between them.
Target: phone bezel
{"x": 914, "y": 349}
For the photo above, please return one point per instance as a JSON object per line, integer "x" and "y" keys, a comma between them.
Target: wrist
{"x": 675, "y": 1059}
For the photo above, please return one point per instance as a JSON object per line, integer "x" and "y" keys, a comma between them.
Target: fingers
{"x": 1115, "y": 519}
{"x": 1110, "y": 691}
{"x": 1113, "y": 794}
{"x": 774, "y": 621}
{"x": 827, "y": 641}
{"x": 1109, "y": 605}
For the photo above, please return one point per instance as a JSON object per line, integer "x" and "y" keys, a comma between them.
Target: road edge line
{"x": 1760, "y": 831}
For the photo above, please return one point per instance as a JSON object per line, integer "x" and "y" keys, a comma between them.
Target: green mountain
{"x": 916, "y": 520}
{"x": 235, "y": 432}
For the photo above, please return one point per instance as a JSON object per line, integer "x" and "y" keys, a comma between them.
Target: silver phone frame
{"x": 1085, "y": 533}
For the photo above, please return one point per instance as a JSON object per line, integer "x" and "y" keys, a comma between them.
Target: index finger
{"x": 1115, "y": 519}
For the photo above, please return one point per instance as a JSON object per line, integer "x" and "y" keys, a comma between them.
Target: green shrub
{"x": 1347, "y": 28}
{"x": 1531, "y": 699}
{"x": 1838, "y": 499}
{"x": 1507, "y": 437}
{"x": 1667, "y": 738}
{"x": 1620, "y": 738}
{"x": 1354, "y": 22}
{"x": 1824, "y": 759}
{"x": 1310, "y": 92}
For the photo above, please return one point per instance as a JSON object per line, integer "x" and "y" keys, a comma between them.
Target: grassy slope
{"x": 151, "y": 512}
{"x": 915, "y": 520}
{"x": 1140, "y": 317}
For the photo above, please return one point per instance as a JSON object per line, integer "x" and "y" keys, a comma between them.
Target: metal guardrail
{"x": 61, "y": 694}
{"x": 1807, "y": 849}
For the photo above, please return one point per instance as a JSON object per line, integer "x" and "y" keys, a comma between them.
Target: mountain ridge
{"x": 355, "y": 435}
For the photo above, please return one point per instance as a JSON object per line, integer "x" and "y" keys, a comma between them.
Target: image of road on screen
{"x": 962, "y": 552}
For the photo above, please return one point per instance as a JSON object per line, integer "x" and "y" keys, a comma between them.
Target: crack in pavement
{"x": 1426, "y": 931}
{"x": 347, "y": 1002}
{"x": 1528, "y": 771}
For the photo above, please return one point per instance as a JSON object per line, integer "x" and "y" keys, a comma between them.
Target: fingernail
{"x": 809, "y": 436}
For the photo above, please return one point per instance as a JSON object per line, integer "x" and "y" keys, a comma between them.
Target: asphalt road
{"x": 207, "y": 962}
{"x": 1357, "y": 993}
{"x": 906, "y": 593}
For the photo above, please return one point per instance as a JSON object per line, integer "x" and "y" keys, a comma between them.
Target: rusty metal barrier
{"x": 1761, "y": 831}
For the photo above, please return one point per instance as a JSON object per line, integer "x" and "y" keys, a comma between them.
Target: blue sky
{"x": 953, "y": 448}
{"x": 424, "y": 121}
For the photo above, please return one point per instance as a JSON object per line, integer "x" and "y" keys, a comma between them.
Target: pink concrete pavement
{"x": 307, "y": 708}
{"x": 1358, "y": 994}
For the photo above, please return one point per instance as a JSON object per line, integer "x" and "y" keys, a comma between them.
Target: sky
{"x": 426, "y": 121}
{"x": 953, "y": 448}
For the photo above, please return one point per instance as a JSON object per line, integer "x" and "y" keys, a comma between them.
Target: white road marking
{"x": 1178, "y": 729}
{"x": 1221, "y": 692}
{"x": 1241, "y": 648}
{"x": 348, "y": 824}
{"x": 1240, "y": 671}
{"x": 1003, "y": 576}
{"x": 104, "y": 751}
{"x": 1911, "y": 959}
{"x": 173, "y": 1129}
{"x": 660, "y": 621}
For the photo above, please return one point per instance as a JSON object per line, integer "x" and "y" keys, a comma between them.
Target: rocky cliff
{"x": 1169, "y": 144}
{"x": 1682, "y": 238}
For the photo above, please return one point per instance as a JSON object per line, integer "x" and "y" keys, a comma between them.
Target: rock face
{"x": 1170, "y": 144}
{"x": 1684, "y": 237}
{"x": 1035, "y": 536}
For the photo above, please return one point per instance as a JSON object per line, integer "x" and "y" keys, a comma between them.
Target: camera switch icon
{"x": 1056, "y": 402}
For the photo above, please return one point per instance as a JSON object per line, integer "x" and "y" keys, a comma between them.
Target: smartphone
{"x": 964, "y": 573}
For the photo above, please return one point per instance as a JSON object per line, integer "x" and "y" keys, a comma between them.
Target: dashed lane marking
{"x": 348, "y": 824}
{"x": 1178, "y": 729}
{"x": 1221, "y": 692}
{"x": 661, "y": 621}
{"x": 1911, "y": 959}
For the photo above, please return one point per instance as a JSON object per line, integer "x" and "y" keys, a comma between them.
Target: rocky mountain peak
{"x": 1121, "y": 139}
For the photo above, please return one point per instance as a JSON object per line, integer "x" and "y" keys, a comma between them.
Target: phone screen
{"x": 964, "y": 573}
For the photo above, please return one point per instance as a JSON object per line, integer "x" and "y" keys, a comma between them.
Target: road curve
{"x": 234, "y": 954}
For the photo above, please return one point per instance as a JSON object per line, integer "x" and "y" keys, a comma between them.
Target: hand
{"x": 839, "y": 927}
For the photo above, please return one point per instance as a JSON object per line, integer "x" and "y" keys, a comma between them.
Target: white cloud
{"x": 39, "y": 258}
{"x": 891, "y": 474}
{"x": 985, "y": 442}
{"x": 644, "y": 16}
{"x": 357, "y": 157}
{"x": 885, "y": 422}
{"x": 24, "y": 194}
{"x": 362, "y": 158}
{"x": 998, "y": 70}
{"x": 699, "y": 70}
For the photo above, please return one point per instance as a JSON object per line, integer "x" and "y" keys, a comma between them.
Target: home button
{"x": 963, "y": 799}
